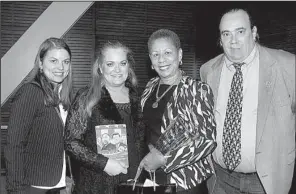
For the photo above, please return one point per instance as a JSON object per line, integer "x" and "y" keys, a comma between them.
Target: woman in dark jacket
{"x": 111, "y": 98}
{"x": 35, "y": 157}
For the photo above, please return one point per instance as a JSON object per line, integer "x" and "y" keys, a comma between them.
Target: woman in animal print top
{"x": 179, "y": 114}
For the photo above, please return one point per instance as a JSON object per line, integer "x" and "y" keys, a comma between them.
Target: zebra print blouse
{"x": 188, "y": 132}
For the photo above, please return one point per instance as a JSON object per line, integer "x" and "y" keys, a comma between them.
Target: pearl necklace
{"x": 155, "y": 104}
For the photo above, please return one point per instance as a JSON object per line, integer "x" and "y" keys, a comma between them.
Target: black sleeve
{"x": 76, "y": 126}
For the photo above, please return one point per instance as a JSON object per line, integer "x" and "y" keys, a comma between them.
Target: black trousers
{"x": 161, "y": 178}
{"x": 200, "y": 189}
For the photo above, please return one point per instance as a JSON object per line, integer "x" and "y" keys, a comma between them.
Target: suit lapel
{"x": 214, "y": 78}
{"x": 267, "y": 77}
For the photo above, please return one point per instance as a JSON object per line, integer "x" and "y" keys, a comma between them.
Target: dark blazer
{"x": 275, "y": 138}
{"x": 34, "y": 151}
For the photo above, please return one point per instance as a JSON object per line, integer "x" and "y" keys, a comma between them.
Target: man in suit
{"x": 254, "y": 90}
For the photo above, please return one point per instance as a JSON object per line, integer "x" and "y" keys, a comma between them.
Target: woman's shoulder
{"x": 199, "y": 86}
{"x": 190, "y": 81}
{"x": 29, "y": 89}
{"x": 80, "y": 95}
{"x": 152, "y": 81}
{"x": 202, "y": 84}
{"x": 82, "y": 91}
{"x": 149, "y": 87}
{"x": 28, "y": 93}
{"x": 30, "y": 86}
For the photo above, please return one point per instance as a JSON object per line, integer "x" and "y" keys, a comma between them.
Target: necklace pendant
{"x": 155, "y": 105}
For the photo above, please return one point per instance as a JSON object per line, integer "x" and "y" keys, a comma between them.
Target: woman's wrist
{"x": 162, "y": 158}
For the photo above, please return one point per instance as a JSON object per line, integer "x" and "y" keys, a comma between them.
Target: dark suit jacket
{"x": 275, "y": 137}
{"x": 34, "y": 151}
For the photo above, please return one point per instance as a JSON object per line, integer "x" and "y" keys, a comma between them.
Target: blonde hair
{"x": 94, "y": 92}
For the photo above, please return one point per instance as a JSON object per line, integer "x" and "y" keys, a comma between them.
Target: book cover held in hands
{"x": 112, "y": 142}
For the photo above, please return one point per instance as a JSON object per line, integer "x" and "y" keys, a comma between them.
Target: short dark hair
{"x": 115, "y": 134}
{"x": 233, "y": 10}
{"x": 164, "y": 33}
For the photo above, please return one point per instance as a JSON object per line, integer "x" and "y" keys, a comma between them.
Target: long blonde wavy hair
{"x": 94, "y": 92}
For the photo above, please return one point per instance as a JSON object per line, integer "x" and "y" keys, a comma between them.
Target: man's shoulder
{"x": 206, "y": 67}
{"x": 283, "y": 61}
{"x": 212, "y": 61}
{"x": 280, "y": 55}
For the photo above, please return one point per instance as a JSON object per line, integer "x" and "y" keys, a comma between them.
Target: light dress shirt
{"x": 250, "y": 71}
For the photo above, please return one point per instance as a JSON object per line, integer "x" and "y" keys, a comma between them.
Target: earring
{"x": 152, "y": 67}
{"x": 180, "y": 63}
{"x": 99, "y": 71}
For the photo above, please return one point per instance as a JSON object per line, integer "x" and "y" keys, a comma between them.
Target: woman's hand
{"x": 114, "y": 167}
{"x": 153, "y": 160}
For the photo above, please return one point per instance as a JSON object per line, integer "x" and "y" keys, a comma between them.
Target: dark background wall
{"x": 16, "y": 18}
{"x": 275, "y": 21}
{"x": 132, "y": 22}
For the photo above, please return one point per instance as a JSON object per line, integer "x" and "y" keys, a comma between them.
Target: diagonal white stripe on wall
{"x": 55, "y": 21}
